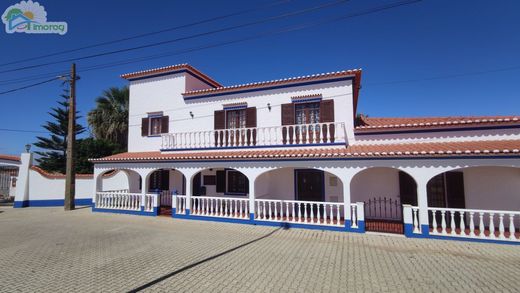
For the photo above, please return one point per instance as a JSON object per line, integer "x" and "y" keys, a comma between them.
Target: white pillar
{"x": 188, "y": 174}
{"x": 22, "y": 184}
{"x": 346, "y": 179}
{"x": 422, "y": 203}
{"x": 96, "y": 184}
{"x": 252, "y": 180}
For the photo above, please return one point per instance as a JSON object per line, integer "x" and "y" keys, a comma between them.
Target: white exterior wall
{"x": 495, "y": 188}
{"x": 117, "y": 181}
{"x": 43, "y": 188}
{"x": 375, "y": 182}
{"x": 165, "y": 94}
{"x": 279, "y": 184}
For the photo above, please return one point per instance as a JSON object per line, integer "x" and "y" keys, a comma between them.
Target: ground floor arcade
{"x": 466, "y": 198}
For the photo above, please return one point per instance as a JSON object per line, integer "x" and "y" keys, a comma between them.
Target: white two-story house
{"x": 292, "y": 152}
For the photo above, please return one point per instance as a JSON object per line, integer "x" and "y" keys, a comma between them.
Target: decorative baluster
{"x": 512, "y": 229}
{"x": 353, "y": 217}
{"x": 443, "y": 222}
{"x": 434, "y": 222}
{"x": 311, "y": 205}
{"x": 415, "y": 221}
{"x": 481, "y": 226}
{"x": 491, "y": 225}
{"x": 300, "y": 219}
{"x": 452, "y": 226}
{"x": 471, "y": 224}
{"x": 325, "y": 220}
{"x": 338, "y": 215}
{"x": 328, "y": 137}
{"x": 318, "y": 216}
{"x": 462, "y": 224}
{"x": 306, "y": 218}
{"x": 286, "y": 210}
{"x": 501, "y": 228}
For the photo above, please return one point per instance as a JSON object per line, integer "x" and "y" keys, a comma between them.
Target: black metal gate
{"x": 384, "y": 215}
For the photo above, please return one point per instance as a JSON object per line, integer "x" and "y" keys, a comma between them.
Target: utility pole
{"x": 70, "y": 180}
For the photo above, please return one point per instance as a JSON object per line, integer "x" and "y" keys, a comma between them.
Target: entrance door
{"x": 309, "y": 185}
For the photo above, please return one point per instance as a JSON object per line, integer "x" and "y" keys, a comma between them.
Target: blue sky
{"x": 402, "y": 51}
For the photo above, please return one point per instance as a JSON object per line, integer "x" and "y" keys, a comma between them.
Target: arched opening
{"x": 217, "y": 192}
{"x": 118, "y": 189}
{"x": 166, "y": 182}
{"x": 305, "y": 184}
{"x": 383, "y": 191}
{"x": 299, "y": 195}
{"x": 469, "y": 200}
{"x": 119, "y": 180}
{"x": 220, "y": 182}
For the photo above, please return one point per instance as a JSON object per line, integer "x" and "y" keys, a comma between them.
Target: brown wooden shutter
{"x": 221, "y": 181}
{"x": 145, "y": 123}
{"x": 288, "y": 114}
{"x": 165, "y": 121}
{"x": 327, "y": 111}
{"x": 220, "y": 119}
{"x": 251, "y": 117}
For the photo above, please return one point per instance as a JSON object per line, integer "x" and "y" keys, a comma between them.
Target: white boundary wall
{"x": 37, "y": 189}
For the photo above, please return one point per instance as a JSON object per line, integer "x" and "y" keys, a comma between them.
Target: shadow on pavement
{"x": 169, "y": 275}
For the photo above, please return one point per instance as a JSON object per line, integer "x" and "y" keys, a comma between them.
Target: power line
{"x": 208, "y": 20}
{"x": 257, "y": 36}
{"x": 29, "y": 86}
{"x": 229, "y": 28}
{"x": 22, "y": 130}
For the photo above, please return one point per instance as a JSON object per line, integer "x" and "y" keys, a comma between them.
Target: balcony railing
{"x": 287, "y": 135}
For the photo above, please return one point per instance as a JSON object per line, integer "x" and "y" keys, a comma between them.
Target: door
{"x": 310, "y": 187}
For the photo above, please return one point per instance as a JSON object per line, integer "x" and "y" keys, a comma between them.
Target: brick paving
{"x": 47, "y": 249}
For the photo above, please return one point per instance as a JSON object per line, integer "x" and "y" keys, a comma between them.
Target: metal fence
{"x": 384, "y": 214}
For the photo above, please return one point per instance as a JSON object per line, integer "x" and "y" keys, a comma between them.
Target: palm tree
{"x": 109, "y": 120}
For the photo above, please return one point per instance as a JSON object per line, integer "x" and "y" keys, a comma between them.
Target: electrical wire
{"x": 29, "y": 86}
{"x": 229, "y": 28}
{"x": 179, "y": 27}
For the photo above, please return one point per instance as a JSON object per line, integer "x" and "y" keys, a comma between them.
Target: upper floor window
{"x": 307, "y": 113}
{"x": 236, "y": 119}
{"x": 154, "y": 125}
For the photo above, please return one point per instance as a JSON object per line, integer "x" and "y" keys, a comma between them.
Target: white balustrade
{"x": 118, "y": 201}
{"x": 224, "y": 207}
{"x": 303, "y": 134}
{"x": 180, "y": 204}
{"x": 305, "y": 212}
{"x": 486, "y": 224}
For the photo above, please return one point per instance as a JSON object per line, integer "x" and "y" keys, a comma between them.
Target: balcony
{"x": 332, "y": 133}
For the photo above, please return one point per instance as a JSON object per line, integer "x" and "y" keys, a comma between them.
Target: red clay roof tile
{"x": 440, "y": 149}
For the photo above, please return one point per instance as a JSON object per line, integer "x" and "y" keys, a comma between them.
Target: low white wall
{"x": 375, "y": 182}
{"x": 491, "y": 188}
{"x": 43, "y": 188}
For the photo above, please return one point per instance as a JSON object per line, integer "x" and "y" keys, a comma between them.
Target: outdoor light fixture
{"x": 269, "y": 106}
{"x": 191, "y": 114}
{"x": 27, "y": 148}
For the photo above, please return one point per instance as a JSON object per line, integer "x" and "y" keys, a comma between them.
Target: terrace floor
{"x": 47, "y": 249}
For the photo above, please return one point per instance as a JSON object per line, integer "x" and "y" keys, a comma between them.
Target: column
{"x": 96, "y": 185}
{"x": 252, "y": 197}
{"x": 22, "y": 184}
{"x": 422, "y": 203}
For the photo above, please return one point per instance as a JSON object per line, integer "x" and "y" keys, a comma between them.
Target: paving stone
{"x": 48, "y": 249}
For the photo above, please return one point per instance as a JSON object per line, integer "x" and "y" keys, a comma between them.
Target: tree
{"x": 53, "y": 159}
{"x": 109, "y": 120}
{"x": 90, "y": 148}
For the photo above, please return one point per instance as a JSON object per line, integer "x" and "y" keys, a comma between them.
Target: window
{"x": 236, "y": 119}
{"x": 155, "y": 125}
{"x": 307, "y": 113}
{"x": 236, "y": 182}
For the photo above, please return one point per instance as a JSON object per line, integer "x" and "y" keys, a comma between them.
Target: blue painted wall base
{"x": 154, "y": 213}
{"x": 51, "y": 203}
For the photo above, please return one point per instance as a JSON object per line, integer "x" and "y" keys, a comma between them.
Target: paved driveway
{"x": 47, "y": 249}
